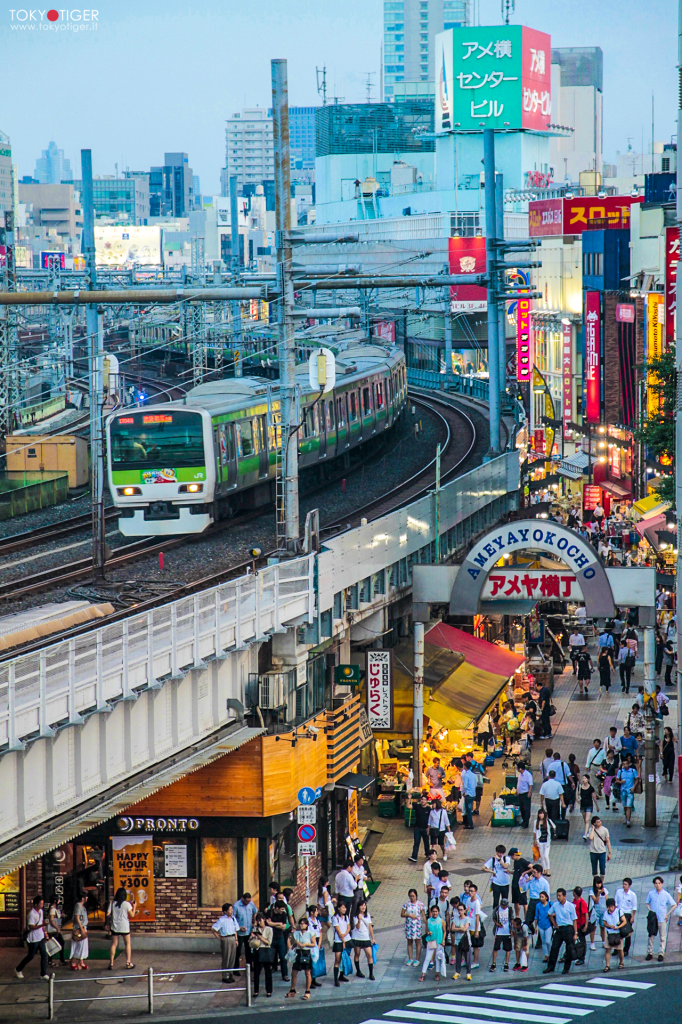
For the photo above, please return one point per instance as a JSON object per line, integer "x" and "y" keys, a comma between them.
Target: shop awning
{"x": 650, "y": 506}
{"x": 464, "y": 694}
{"x": 98, "y": 809}
{"x": 648, "y": 527}
{"x": 574, "y": 465}
{"x": 617, "y": 490}
{"x": 354, "y": 780}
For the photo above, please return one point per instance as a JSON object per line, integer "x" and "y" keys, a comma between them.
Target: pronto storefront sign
{"x": 493, "y": 77}
{"x": 592, "y": 357}
{"x": 379, "y": 677}
{"x": 130, "y": 824}
{"x": 578, "y": 556}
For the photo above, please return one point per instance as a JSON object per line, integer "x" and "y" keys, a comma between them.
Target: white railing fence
{"x": 57, "y": 685}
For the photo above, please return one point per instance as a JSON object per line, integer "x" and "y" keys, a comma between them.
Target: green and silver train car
{"x": 177, "y": 467}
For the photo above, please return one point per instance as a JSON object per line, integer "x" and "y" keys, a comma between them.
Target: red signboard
{"x": 524, "y": 345}
{"x": 672, "y": 256}
{"x": 592, "y": 357}
{"x": 536, "y": 79}
{"x": 385, "y": 330}
{"x": 573, "y": 216}
{"x": 625, "y": 313}
{"x": 591, "y": 496}
{"x": 467, "y": 256}
{"x": 567, "y": 382}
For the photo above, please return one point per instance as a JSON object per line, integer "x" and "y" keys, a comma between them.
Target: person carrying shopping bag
{"x": 435, "y": 938}
{"x": 542, "y": 833}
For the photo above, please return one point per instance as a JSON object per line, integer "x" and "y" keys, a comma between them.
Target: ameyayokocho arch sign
{"x": 534, "y": 535}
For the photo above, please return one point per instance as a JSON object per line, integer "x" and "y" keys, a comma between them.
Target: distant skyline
{"x": 165, "y": 76}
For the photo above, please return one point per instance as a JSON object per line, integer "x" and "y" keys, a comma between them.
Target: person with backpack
{"x": 500, "y": 867}
{"x": 626, "y": 663}
{"x": 585, "y": 670}
{"x": 460, "y": 941}
{"x": 502, "y": 928}
{"x": 600, "y": 846}
{"x": 522, "y": 938}
{"x": 613, "y": 922}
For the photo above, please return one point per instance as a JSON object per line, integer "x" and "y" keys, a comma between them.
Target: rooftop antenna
{"x": 322, "y": 84}
{"x": 507, "y": 9}
{"x": 368, "y": 87}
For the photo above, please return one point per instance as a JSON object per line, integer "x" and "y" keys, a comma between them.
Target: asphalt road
{"x": 637, "y": 996}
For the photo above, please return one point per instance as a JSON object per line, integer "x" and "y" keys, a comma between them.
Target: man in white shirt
{"x": 524, "y": 790}
{"x": 428, "y": 865}
{"x": 500, "y": 867}
{"x": 546, "y": 763}
{"x": 564, "y": 918}
{"x": 344, "y": 883}
{"x": 661, "y": 903}
{"x": 611, "y": 742}
{"x": 576, "y": 642}
{"x": 36, "y": 939}
{"x": 594, "y": 761}
{"x": 225, "y": 930}
{"x": 475, "y": 915}
{"x": 626, "y": 902}
{"x": 552, "y": 797}
{"x": 565, "y": 777}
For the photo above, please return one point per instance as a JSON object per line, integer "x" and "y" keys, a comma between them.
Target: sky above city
{"x": 161, "y": 77}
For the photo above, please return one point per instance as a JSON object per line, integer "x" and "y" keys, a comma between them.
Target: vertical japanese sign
{"x": 467, "y": 256}
{"x": 654, "y": 348}
{"x": 353, "y": 813}
{"x": 592, "y": 357}
{"x": 672, "y": 256}
{"x": 524, "y": 354}
{"x": 379, "y": 677}
{"x": 493, "y": 77}
{"x": 567, "y": 379}
{"x": 134, "y": 871}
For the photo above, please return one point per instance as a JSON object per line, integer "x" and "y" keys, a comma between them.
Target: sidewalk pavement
{"x": 637, "y": 852}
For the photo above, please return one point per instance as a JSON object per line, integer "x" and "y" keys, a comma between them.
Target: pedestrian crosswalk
{"x": 552, "y": 1003}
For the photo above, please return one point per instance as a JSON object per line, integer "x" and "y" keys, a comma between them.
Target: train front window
{"x": 157, "y": 439}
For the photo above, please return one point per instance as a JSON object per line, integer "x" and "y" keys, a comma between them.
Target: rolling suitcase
{"x": 561, "y": 830}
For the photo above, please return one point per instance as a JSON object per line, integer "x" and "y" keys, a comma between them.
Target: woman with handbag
{"x": 542, "y": 835}
{"x": 461, "y": 943}
{"x": 262, "y": 954}
{"x": 118, "y": 922}
{"x": 614, "y": 921}
{"x": 80, "y": 949}
{"x": 303, "y": 941}
{"x": 363, "y": 938}
{"x": 439, "y": 824}
{"x": 414, "y": 913}
{"x": 596, "y": 906}
{"x": 54, "y": 928}
{"x": 668, "y": 754}
{"x": 543, "y": 924}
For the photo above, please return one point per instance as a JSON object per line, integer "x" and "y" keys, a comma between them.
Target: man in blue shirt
{"x": 468, "y": 787}
{"x": 628, "y": 743}
{"x": 524, "y": 789}
{"x": 538, "y": 883}
{"x": 627, "y": 775}
{"x": 244, "y": 910}
{"x": 564, "y": 920}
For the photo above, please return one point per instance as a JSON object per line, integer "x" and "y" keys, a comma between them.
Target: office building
{"x": 6, "y": 179}
{"x": 55, "y": 207}
{"x": 302, "y": 136}
{"x": 249, "y": 146}
{"x": 121, "y": 200}
{"x": 410, "y": 27}
{"x": 171, "y": 188}
{"x": 577, "y": 102}
{"x": 52, "y": 168}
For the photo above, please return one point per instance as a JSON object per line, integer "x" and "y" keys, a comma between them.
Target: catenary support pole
{"x": 418, "y": 702}
{"x": 95, "y": 366}
{"x": 285, "y": 306}
{"x": 649, "y": 729}
{"x": 501, "y": 306}
{"x": 491, "y": 256}
{"x": 236, "y": 268}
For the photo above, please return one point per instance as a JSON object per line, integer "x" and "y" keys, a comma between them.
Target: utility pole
{"x": 287, "y": 514}
{"x": 94, "y": 331}
{"x": 9, "y": 382}
{"x": 491, "y": 256}
{"x": 199, "y": 353}
{"x": 447, "y": 330}
{"x": 649, "y": 726}
{"x": 418, "y": 703}
{"x": 235, "y": 267}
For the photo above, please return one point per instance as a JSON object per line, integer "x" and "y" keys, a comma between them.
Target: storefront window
{"x": 91, "y": 879}
{"x": 218, "y": 872}
{"x": 251, "y": 869}
{"x": 173, "y": 858}
{"x": 286, "y": 855}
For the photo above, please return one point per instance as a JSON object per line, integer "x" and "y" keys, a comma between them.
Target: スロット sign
{"x": 379, "y": 676}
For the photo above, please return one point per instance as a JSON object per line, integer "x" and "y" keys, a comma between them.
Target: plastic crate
{"x": 386, "y": 806}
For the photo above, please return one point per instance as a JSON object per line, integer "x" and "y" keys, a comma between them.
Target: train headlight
{"x": 190, "y": 488}
{"x": 194, "y": 488}
{"x": 128, "y": 492}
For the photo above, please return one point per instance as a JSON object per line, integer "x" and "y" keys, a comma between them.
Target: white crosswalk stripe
{"x": 621, "y": 983}
{"x": 576, "y": 990}
{"x": 554, "y": 1003}
{"x": 474, "y": 1005}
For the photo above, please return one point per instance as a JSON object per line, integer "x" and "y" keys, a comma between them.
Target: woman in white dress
{"x": 80, "y": 949}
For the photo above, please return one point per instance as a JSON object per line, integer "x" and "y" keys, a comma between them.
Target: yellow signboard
{"x": 134, "y": 871}
{"x": 353, "y": 813}
{"x": 655, "y": 325}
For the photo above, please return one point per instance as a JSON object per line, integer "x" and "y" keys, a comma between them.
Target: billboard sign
{"x": 655, "y": 313}
{"x": 385, "y": 331}
{"x": 118, "y": 245}
{"x": 467, "y": 256}
{"x": 567, "y": 379}
{"x": 379, "y": 677}
{"x": 672, "y": 256}
{"x": 50, "y": 260}
{"x": 533, "y": 584}
{"x": 496, "y": 76}
{"x": 134, "y": 872}
{"x": 524, "y": 354}
{"x": 625, "y": 313}
{"x": 573, "y": 216}
{"x": 592, "y": 357}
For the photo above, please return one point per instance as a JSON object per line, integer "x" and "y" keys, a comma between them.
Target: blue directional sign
{"x": 318, "y": 793}
{"x": 306, "y": 795}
